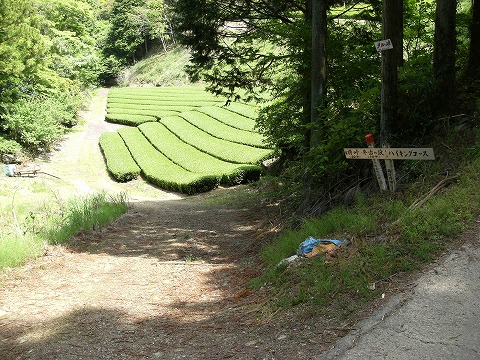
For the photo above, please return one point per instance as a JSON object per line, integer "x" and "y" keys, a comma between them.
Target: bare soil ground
{"x": 168, "y": 280}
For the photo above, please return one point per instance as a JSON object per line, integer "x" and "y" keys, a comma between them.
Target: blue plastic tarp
{"x": 308, "y": 244}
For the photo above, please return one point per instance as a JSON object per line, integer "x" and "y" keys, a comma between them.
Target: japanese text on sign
{"x": 390, "y": 153}
{"x": 383, "y": 45}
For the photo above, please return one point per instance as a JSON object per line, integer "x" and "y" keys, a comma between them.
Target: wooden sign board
{"x": 383, "y": 45}
{"x": 390, "y": 153}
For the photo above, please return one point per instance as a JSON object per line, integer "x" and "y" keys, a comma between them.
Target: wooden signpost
{"x": 387, "y": 154}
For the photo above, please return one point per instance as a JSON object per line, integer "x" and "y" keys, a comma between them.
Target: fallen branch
{"x": 420, "y": 202}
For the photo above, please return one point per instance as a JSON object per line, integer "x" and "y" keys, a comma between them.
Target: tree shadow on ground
{"x": 91, "y": 333}
{"x": 168, "y": 280}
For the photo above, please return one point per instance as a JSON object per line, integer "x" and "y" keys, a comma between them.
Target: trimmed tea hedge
{"x": 176, "y": 107}
{"x": 223, "y": 131}
{"x": 155, "y": 114}
{"x": 154, "y": 101}
{"x": 185, "y": 139}
{"x": 191, "y": 159}
{"x": 229, "y": 117}
{"x": 159, "y": 170}
{"x": 129, "y": 119}
{"x": 243, "y": 109}
{"x": 219, "y": 148}
{"x": 119, "y": 160}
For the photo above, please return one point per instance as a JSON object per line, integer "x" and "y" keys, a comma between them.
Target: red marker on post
{"x": 377, "y": 167}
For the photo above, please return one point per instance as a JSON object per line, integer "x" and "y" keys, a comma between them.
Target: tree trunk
{"x": 319, "y": 67}
{"x": 473, "y": 71}
{"x": 444, "y": 55}
{"x": 392, "y": 28}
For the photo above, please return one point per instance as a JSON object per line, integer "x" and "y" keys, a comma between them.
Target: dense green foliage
{"x": 264, "y": 50}
{"x": 119, "y": 160}
{"x": 37, "y": 123}
{"x": 48, "y": 56}
{"x": 133, "y": 27}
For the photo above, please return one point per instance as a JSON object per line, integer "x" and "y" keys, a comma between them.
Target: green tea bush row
{"x": 194, "y": 160}
{"x": 175, "y": 107}
{"x": 149, "y": 97}
{"x": 221, "y": 130}
{"x": 230, "y": 118}
{"x": 161, "y": 101}
{"x": 158, "y": 90}
{"x": 243, "y": 109}
{"x": 159, "y": 170}
{"x": 155, "y": 114}
{"x": 222, "y": 149}
{"x": 119, "y": 160}
{"x": 129, "y": 119}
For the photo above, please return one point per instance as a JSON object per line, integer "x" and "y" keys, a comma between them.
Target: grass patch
{"x": 164, "y": 68}
{"x": 16, "y": 249}
{"x": 84, "y": 213}
{"x": 24, "y": 235}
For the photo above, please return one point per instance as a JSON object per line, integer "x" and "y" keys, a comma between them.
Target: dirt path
{"x": 165, "y": 281}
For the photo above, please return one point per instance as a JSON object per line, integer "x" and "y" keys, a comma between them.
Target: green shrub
{"x": 64, "y": 108}
{"x": 119, "y": 160}
{"x": 9, "y": 149}
{"x": 38, "y": 123}
{"x": 32, "y": 125}
{"x": 159, "y": 170}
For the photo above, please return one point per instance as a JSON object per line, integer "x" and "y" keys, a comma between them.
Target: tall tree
{"x": 319, "y": 67}
{"x": 474, "y": 57}
{"x": 262, "y": 47}
{"x": 392, "y": 28}
{"x": 22, "y": 47}
{"x": 444, "y": 55}
{"x": 124, "y": 41}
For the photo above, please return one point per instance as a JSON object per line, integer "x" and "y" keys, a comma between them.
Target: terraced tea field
{"x": 182, "y": 139}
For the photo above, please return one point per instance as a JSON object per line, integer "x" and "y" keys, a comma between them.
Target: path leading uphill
{"x": 168, "y": 280}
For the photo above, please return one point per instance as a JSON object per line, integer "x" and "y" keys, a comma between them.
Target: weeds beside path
{"x": 167, "y": 280}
